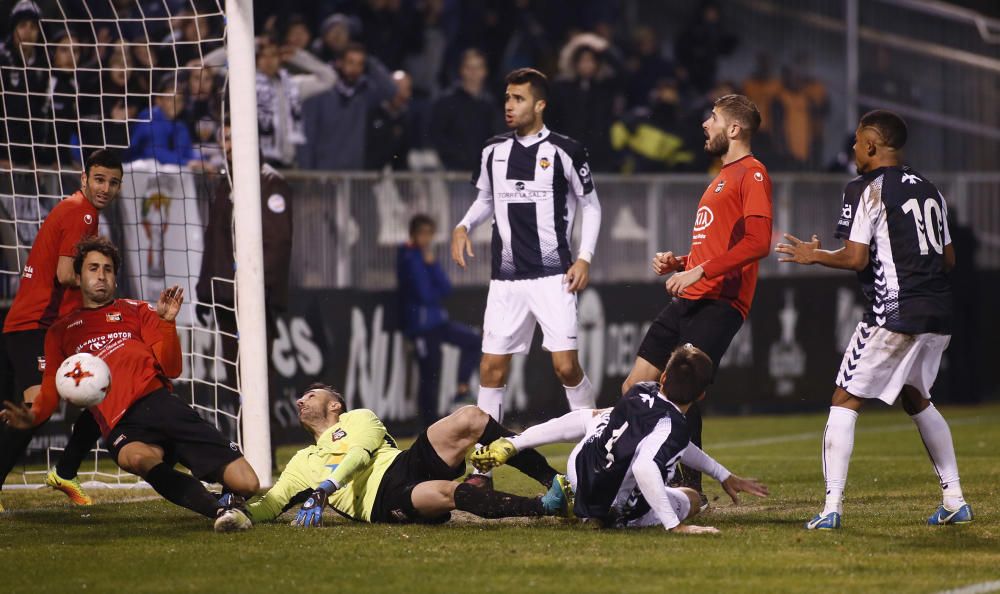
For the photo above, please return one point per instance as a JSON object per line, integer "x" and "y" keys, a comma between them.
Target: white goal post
{"x": 247, "y": 238}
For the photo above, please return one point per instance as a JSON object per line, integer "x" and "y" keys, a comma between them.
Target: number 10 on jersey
{"x": 929, "y": 222}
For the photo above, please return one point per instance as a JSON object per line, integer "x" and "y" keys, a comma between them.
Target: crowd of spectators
{"x": 374, "y": 84}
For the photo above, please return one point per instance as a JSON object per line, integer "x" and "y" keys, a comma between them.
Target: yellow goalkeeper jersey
{"x": 354, "y": 454}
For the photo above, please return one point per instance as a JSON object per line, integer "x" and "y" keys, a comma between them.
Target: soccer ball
{"x": 83, "y": 379}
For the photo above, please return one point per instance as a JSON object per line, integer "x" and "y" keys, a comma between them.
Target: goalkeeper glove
{"x": 311, "y": 514}
{"x": 493, "y": 455}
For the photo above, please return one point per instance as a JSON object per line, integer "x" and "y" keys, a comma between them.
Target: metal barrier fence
{"x": 348, "y": 226}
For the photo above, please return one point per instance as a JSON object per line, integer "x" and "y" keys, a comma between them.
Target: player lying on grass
{"x": 626, "y": 455}
{"x": 145, "y": 427}
{"x": 357, "y": 469}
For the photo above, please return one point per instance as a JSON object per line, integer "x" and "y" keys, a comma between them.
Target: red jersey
{"x": 40, "y": 299}
{"x": 741, "y": 189}
{"x": 141, "y": 350}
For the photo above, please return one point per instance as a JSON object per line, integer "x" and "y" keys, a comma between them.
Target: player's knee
{"x": 493, "y": 371}
{"x": 568, "y": 371}
{"x": 250, "y": 484}
{"x": 471, "y": 420}
{"x": 240, "y": 477}
{"x": 138, "y": 459}
{"x": 695, "y": 501}
{"x": 913, "y": 401}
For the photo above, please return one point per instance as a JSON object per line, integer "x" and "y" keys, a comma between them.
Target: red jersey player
{"x": 140, "y": 419}
{"x": 48, "y": 290}
{"x": 715, "y": 281}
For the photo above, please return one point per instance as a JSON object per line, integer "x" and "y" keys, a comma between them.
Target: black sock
{"x": 182, "y": 489}
{"x": 528, "y": 461}
{"x": 493, "y": 432}
{"x": 486, "y": 503}
{"x": 13, "y": 444}
{"x": 533, "y": 464}
{"x": 689, "y": 476}
{"x": 85, "y": 434}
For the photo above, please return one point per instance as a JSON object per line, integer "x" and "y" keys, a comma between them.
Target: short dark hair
{"x": 688, "y": 373}
{"x": 889, "y": 125}
{"x": 104, "y": 158}
{"x": 420, "y": 220}
{"x": 100, "y": 244}
{"x": 264, "y": 41}
{"x": 538, "y": 81}
{"x": 328, "y": 388}
{"x": 355, "y": 46}
{"x": 741, "y": 109}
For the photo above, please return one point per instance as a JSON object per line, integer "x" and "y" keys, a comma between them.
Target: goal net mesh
{"x": 124, "y": 75}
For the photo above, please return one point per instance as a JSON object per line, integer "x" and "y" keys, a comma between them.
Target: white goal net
{"x": 127, "y": 75}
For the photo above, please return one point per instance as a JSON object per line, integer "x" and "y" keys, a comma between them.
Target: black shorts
{"x": 164, "y": 420}
{"x": 708, "y": 324}
{"x": 418, "y": 464}
{"x": 22, "y": 358}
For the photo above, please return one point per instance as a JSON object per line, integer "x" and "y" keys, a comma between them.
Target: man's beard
{"x": 717, "y": 146}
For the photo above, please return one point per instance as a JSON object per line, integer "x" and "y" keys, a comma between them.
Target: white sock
{"x": 570, "y": 427}
{"x": 838, "y": 443}
{"x": 582, "y": 395}
{"x": 490, "y": 400}
{"x": 936, "y": 434}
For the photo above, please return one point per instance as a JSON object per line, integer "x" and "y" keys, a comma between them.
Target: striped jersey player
{"x": 532, "y": 181}
{"x": 626, "y": 456}
{"x": 895, "y": 230}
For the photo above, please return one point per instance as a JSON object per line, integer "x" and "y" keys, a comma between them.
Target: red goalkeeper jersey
{"x": 141, "y": 350}
{"x": 40, "y": 299}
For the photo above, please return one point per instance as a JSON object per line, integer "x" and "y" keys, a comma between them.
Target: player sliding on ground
{"x": 357, "y": 469}
{"x": 140, "y": 419}
{"x": 894, "y": 224}
{"x": 626, "y": 455}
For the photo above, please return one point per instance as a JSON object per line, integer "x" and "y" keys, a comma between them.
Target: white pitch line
{"x": 981, "y": 588}
{"x": 818, "y": 434}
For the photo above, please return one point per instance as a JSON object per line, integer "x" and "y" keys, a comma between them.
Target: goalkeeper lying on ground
{"x": 357, "y": 469}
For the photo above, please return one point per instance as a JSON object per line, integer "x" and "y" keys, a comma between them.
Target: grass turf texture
{"x": 151, "y": 546}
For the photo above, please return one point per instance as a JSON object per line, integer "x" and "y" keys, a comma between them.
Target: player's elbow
{"x": 173, "y": 369}
{"x": 66, "y": 279}
{"x": 761, "y": 249}
{"x": 858, "y": 263}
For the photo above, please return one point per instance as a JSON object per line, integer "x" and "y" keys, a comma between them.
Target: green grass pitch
{"x": 148, "y": 545}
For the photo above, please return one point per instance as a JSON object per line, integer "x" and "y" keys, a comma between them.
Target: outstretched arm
{"x": 853, "y": 256}
{"x": 697, "y": 459}
{"x": 281, "y": 496}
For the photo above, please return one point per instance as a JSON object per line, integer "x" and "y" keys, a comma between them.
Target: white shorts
{"x": 513, "y": 307}
{"x": 678, "y": 500}
{"x": 879, "y": 362}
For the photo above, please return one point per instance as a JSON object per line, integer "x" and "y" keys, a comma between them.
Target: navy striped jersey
{"x": 903, "y": 219}
{"x": 602, "y": 465}
{"x": 536, "y": 183}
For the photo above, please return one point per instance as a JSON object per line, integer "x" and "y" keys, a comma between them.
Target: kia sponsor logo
{"x": 703, "y": 219}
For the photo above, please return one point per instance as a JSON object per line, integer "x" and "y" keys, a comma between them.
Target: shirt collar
{"x": 661, "y": 396}
{"x": 532, "y": 139}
